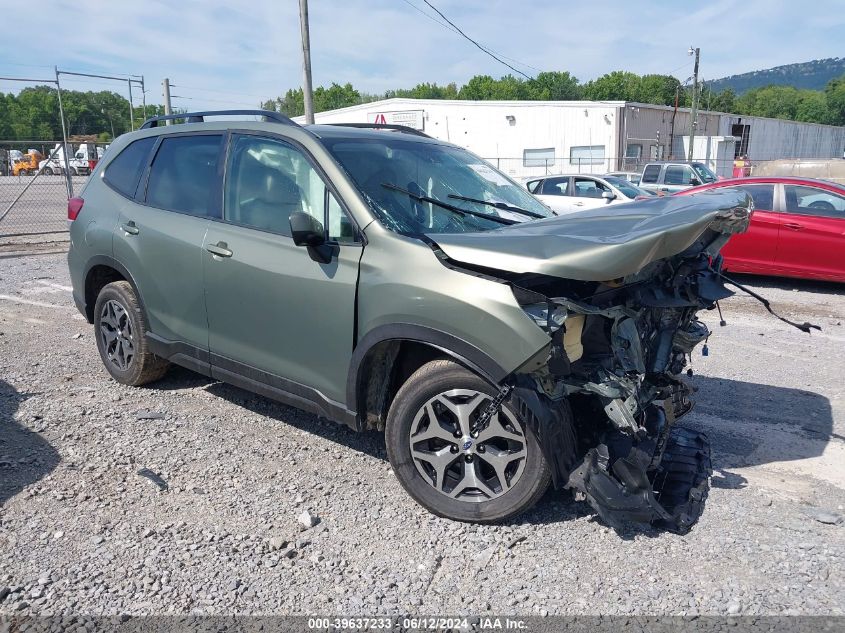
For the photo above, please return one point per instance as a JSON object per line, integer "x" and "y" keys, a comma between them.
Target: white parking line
{"x": 52, "y": 285}
{"x": 40, "y": 304}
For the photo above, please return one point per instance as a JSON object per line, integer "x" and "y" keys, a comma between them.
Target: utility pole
{"x": 696, "y": 52}
{"x": 307, "y": 95}
{"x": 165, "y": 92}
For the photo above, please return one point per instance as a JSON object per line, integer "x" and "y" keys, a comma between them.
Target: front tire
{"x": 120, "y": 330}
{"x": 446, "y": 467}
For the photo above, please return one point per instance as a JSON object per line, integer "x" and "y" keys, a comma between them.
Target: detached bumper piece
{"x": 669, "y": 495}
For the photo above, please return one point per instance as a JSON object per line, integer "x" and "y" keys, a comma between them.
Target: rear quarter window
{"x": 124, "y": 172}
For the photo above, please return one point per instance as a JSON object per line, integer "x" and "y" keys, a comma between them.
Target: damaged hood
{"x": 602, "y": 244}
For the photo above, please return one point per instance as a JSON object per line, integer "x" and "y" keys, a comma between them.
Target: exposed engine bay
{"x": 605, "y": 394}
{"x": 617, "y": 351}
{"x": 616, "y": 356}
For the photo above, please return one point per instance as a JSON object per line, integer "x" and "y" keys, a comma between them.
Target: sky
{"x": 221, "y": 54}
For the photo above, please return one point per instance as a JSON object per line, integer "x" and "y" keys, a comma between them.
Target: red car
{"x": 797, "y": 229}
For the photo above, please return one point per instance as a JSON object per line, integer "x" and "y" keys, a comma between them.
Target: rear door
{"x": 159, "y": 236}
{"x": 812, "y": 233}
{"x": 650, "y": 178}
{"x": 754, "y": 250}
{"x": 277, "y": 314}
{"x": 677, "y": 178}
{"x": 554, "y": 193}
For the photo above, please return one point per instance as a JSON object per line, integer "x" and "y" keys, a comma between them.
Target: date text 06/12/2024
{"x": 415, "y": 624}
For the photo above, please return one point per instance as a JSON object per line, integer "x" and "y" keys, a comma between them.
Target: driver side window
{"x": 267, "y": 180}
{"x": 588, "y": 188}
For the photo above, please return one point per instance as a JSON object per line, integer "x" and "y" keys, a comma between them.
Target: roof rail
{"x": 385, "y": 126}
{"x": 199, "y": 117}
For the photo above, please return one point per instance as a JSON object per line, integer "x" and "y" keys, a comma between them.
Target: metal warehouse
{"x": 527, "y": 138}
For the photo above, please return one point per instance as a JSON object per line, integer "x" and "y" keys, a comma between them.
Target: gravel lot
{"x": 82, "y": 532}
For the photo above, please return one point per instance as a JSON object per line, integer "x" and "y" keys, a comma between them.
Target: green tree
{"x": 812, "y": 107}
{"x": 834, "y": 94}
{"x": 479, "y": 88}
{"x": 657, "y": 89}
{"x": 780, "y": 102}
{"x": 724, "y": 101}
{"x": 616, "y": 86}
{"x": 555, "y": 86}
{"x": 335, "y": 96}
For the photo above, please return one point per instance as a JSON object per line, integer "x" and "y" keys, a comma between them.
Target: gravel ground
{"x": 82, "y": 532}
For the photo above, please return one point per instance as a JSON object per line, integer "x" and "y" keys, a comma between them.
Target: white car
{"x": 572, "y": 193}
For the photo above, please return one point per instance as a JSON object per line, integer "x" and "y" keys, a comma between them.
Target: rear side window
{"x": 183, "y": 176}
{"x": 555, "y": 186}
{"x": 650, "y": 174}
{"x": 762, "y": 195}
{"x": 677, "y": 175}
{"x": 124, "y": 172}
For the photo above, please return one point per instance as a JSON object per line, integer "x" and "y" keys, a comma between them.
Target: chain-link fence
{"x": 521, "y": 168}
{"x": 35, "y": 182}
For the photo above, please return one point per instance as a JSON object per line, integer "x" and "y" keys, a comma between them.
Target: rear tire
{"x": 453, "y": 473}
{"x": 120, "y": 330}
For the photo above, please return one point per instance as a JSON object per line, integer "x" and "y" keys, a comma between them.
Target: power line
{"x": 486, "y": 49}
{"x": 212, "y": 100}
{"x": 223, "y": 92}
{"x": 479, "y": 46}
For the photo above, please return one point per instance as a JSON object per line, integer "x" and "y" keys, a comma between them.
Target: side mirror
{"x": 608, "y": 195}
{"x": 306, "y": 230}
{"x": 695, "y": 181}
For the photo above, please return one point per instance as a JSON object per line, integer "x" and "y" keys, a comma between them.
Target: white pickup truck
{"x": 78, "y": 164}
{"x": 673, "y": 177}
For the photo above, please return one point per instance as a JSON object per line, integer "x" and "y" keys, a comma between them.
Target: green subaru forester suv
{"x": 388, "y": 280}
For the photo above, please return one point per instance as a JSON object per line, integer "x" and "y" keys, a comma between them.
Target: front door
{"x": 587, "y": 193}
{"x": 277, "y": 314}
{"x": 159, "y": 236}
{"x": 812, "y": 233}
{"x": 554, "y": 193}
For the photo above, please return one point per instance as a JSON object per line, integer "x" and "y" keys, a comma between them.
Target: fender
{"x": 465, "y": 353}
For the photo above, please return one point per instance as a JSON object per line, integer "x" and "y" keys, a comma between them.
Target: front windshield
{"x": 628, "y": 190}
{"x": 431, "y": 171}
{"x": 704, "y": 173}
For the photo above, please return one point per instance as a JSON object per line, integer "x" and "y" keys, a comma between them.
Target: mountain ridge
{"x": 812, "y": 75}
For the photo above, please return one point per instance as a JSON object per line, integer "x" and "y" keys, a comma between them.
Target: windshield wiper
{"x": 499, "y": 205}
{"x": 446, "y": 205}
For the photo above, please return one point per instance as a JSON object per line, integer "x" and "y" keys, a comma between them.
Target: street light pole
{"x": 692, "y": 123}
{"x": 307, "y": 94}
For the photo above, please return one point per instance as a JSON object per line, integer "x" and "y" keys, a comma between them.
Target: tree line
{"x": 33, "y": 114}
{"x": 780, "y": 102}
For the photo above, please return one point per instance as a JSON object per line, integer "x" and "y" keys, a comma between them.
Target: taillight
{"x": 74, "y": 206}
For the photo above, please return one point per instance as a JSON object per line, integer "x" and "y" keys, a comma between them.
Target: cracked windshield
{"x": 418, "y": 187}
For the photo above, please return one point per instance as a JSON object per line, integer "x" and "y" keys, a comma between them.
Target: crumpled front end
{"x": 616, "y": 354}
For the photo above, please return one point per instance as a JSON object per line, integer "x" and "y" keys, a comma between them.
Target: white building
{"x": 527, "y": 138}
